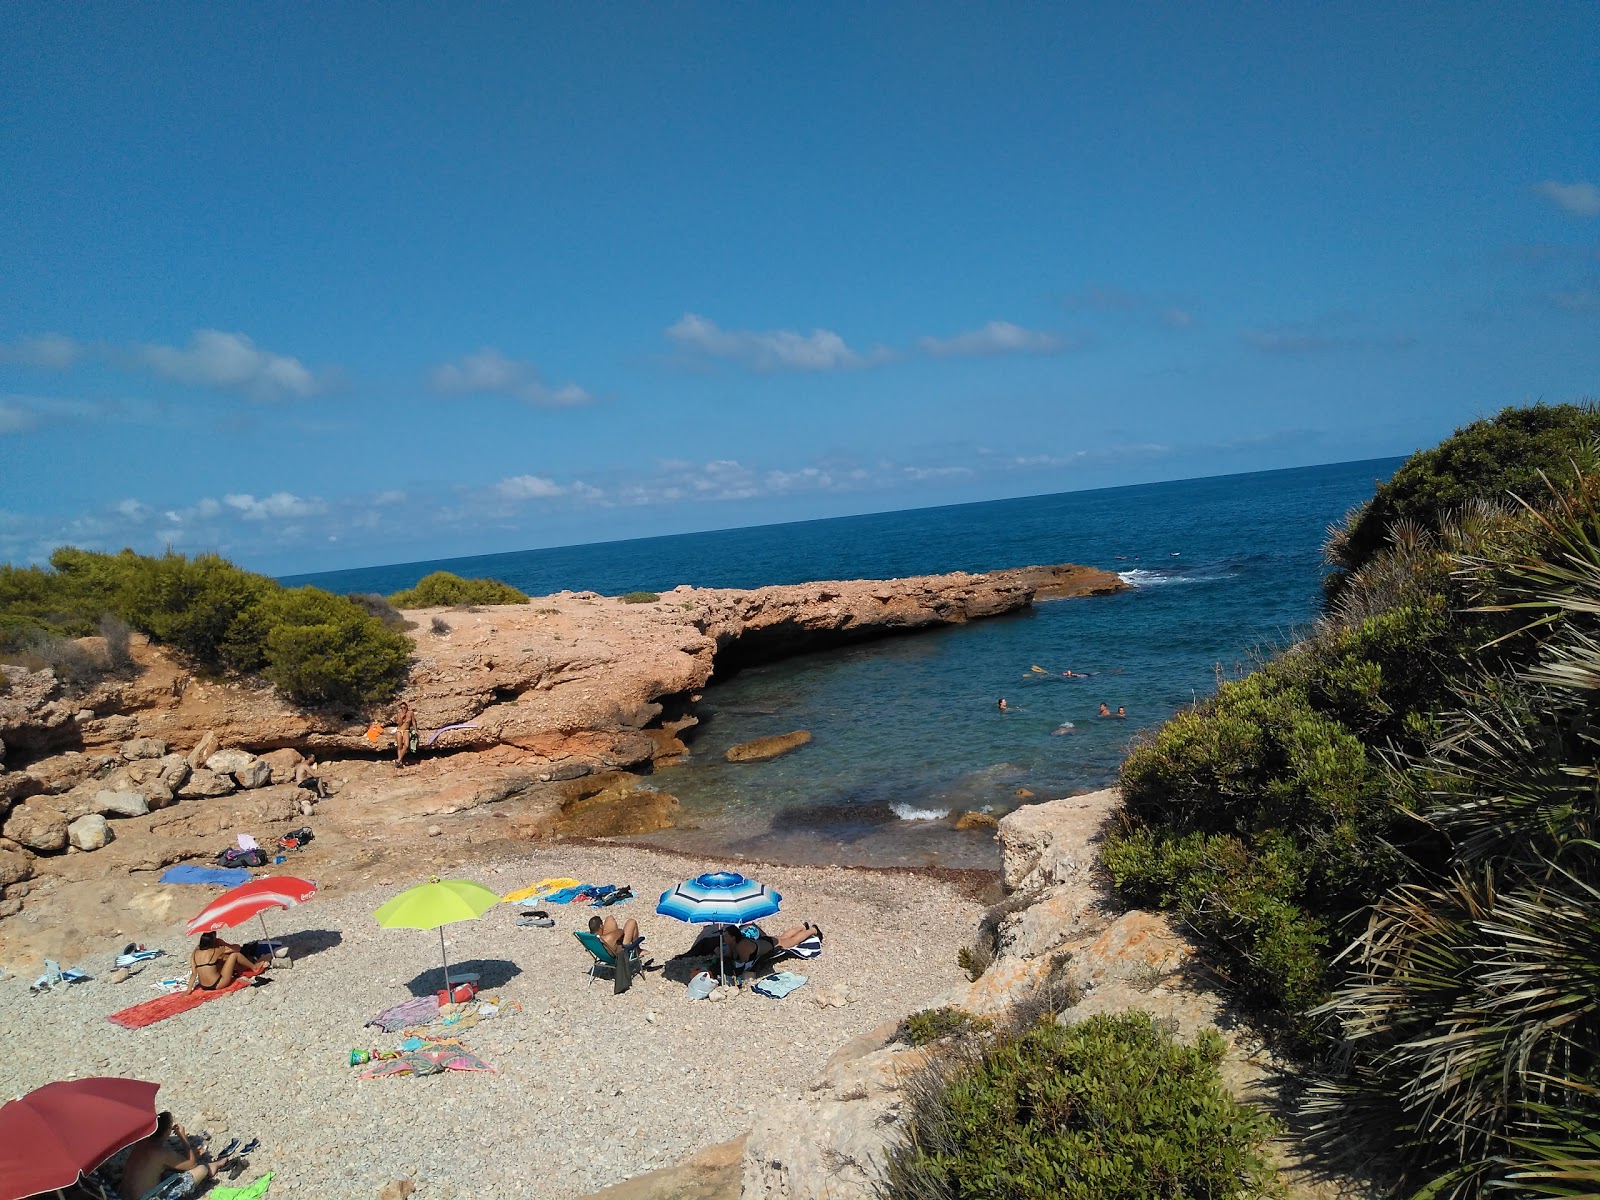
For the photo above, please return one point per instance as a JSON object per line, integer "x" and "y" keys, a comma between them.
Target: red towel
{"x": 163, "y": 1007}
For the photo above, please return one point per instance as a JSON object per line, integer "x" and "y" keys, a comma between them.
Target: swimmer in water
{"x": 1122, "y": 713}
{"x": 1002, "y": 705}
{"x": 1104, "y": 711}
{"x": 1064, "y": 727}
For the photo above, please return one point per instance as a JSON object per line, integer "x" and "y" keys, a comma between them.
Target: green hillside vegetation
{"x": 444, "y": 590}
{"x": 1111, "y": 1108}
{"x": 315, "y": 647}
{"x": 1385, "y": 835}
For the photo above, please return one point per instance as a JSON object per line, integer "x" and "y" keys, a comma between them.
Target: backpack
{"x": 233, "y": 856}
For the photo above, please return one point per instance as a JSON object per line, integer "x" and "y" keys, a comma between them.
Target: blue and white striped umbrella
{"x": 719, "y": 897}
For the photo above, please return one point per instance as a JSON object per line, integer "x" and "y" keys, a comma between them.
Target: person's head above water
{"x": 1104, "y": 711}
{"x": 1002, "y": 704}
{"x": 1121, "y": 712}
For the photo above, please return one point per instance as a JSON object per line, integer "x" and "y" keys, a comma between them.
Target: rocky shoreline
{"x": 537, "y": 722}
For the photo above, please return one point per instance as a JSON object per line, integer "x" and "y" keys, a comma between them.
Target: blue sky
{"x": 329, "y": 285}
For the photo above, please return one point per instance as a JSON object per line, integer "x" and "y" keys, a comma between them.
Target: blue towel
{"x": 779, "y": 984}
{"x": 565, "y": 896}
{"x": 189, "y": 873}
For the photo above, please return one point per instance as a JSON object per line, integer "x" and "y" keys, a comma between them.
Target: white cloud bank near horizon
{"x": 997, "y": 337}
{"x": 772, "y": 349}
{"x": 1580, "y": 198}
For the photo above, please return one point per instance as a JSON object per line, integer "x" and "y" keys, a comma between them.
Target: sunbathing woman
{"x": 215, "y": 963}
{"x": 746, "y": 950}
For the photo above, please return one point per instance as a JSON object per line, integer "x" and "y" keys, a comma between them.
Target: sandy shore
{"x": 590, "y": 1089}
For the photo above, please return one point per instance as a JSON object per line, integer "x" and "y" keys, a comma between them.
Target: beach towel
{"x": 418, "y": 1010}
{"x": 163, "y": 1007}
{"x": 433, "y": 1058}
{"x": 189, "y": 873}
{"x": 253, "y": 1192}
{"x": 447, "y": 729}
{"x": 565, "y": 896}
{"x": 779, "y": 984}
{"x": 538, "y": 891}
{"x": 810, "y": 948}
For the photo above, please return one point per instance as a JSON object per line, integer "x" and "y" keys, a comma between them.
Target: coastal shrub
{"x": 936, "y": 1024}
{"x": 1470, "y": 1017}
{"x": 378, "y": 606}
{"x": 1481, "y": 461}
{"x": 323, "y": 649}
{"x": 640, "y": 598}
{"x": 315, "y": 646}
{"x": 440, "y": 626}
{"x": 975, "y": 959}
{"x": 77, "y": 666}
{"x": 1051, "y": 996}
{"x": 1111, "y": 1108}
{"x": 445, "y": 590}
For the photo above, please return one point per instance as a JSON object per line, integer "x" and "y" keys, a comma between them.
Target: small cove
{"x": 906, "y": 731}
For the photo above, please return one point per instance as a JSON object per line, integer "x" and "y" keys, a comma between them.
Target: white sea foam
{"x": 1139, "y": 578}
{"x": 907, "y": 812}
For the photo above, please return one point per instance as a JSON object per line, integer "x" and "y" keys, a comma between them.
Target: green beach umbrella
{"x": 435, "y": 904}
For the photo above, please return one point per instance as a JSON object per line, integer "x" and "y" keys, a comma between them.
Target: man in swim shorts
{"x": 150, "y": 1160}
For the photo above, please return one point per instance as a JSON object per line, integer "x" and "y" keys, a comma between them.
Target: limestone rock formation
{"x": 143, "y": 747}
{"x": 14, "y": 867}
{"x": 762, "y": 748}
{"x": 229, "y": 762}
{"x": 256, "y": 773}
{"x": 89, "y": 832}
{"x": 121, "y": 804}
{"x": 40, "y": 829}
{"x": 206, "y": 783}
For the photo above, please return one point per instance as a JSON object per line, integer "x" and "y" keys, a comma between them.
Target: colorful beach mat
{"x": 163, "y": 1007}
{"x": 432, "y": 1058}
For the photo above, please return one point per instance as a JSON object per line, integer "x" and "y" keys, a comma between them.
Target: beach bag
{"x": 235, "y": 856}
{"x": 701, "y": 985}
{"x": 295, "y": 838}
{"x": 462, "y": 993}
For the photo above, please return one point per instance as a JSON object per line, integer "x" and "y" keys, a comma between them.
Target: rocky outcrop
{"x": 37, "y": 828}
{"x": 580, "y": 682}
{"x": 762, "y": 748}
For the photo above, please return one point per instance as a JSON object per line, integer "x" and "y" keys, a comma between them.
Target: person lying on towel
{"x": 216, "y": 964}
{"x": 749, "y": 945}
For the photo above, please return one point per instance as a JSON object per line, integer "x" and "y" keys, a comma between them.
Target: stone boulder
{"x": 90, "y": 832}
{"x": 40, "y": 829}
{"x": 762, "y": 748}
{"x": 202, "y": 782}
{"x": 121, "y": 804}
{"x": 254, "y": 774}
{"x": 229, "y": 762}
{"x": 1058, "y": 842}
{"x": 143, "y": 747}
{"x": 14, "y": 867}
{"x": 205, "y": 749}
{"x": 175, "y": 771}
{"x": 283, "y": 762}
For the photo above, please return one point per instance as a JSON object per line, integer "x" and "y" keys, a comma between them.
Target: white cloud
{"x": 278, "y": 506}
{"x": 997, "y": 337}
{"x": 935, "y": 472}
{"x": 16, "y": 416}
{"x": 50, "y": 351}
{"x": 1580, "y": 198}
{"x": 528, "y": 487}
{"x": 384, "y": 499}
{"x": 232, "y": 362}
{"x": 773, "y": 349}
{"x": 133, "y": 510}
{"x": 490, "y": 372}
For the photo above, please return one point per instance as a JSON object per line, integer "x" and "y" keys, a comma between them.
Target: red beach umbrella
{"x": 251, "y": 899}
{"x": 53, "y": 1134}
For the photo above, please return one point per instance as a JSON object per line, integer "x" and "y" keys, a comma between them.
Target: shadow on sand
{"x": 491, "y": 973}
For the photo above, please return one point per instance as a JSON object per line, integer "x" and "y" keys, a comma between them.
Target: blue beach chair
{"x": 600, "y": 955}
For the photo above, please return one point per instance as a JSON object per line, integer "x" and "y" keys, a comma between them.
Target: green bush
{"x": 640, "y": 598}
{"x": 1482, "y": 461}
{"x": 322, "y": 649}
{"x": 1108, "y": 1109}
{"x": 316, "y": 647}
{"x": 936, "y": 1024}
{"x": 443, "y": 590}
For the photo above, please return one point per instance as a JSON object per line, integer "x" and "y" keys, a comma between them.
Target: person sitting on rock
{"x": 149, "y": 1161}
{"x": 405, "y": 734}
{"x": 305, "y": 776}
{"x": 215, "y": 964}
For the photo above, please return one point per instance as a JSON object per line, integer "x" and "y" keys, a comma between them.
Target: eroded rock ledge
{"x": 582, "y": 683}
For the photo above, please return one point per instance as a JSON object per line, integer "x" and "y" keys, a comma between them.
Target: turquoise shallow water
{"x": 906, "y": 731}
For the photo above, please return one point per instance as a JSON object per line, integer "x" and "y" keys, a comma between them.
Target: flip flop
{"x": 250, "y": 1147}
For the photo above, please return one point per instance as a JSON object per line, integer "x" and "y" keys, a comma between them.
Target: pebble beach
{"x": 589, "y": 1087}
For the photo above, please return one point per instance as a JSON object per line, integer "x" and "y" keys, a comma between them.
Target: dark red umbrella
{"x": 53, "y": 1134}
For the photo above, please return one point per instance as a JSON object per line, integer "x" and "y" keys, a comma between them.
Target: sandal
{"x": 250, "y": 1147}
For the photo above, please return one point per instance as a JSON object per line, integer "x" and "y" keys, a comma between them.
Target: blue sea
{"x": 907, "y": 733}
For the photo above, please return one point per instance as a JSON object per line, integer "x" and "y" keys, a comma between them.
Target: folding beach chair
{"x": 622, "y": 971}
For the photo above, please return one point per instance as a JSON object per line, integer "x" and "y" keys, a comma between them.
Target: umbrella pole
{"x": 262, "y": 917}
{"x": 446, "y": 959}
